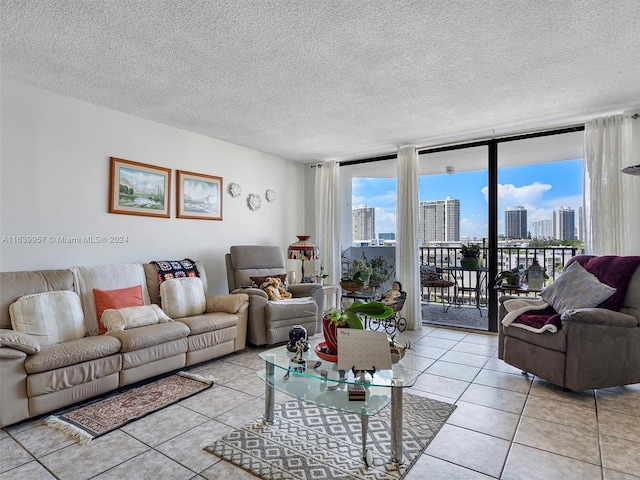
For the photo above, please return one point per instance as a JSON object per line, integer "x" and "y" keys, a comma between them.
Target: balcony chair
{"x": 270, "y": 320}
{"x": 431, "y": 277}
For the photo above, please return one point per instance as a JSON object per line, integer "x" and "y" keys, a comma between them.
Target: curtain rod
{"x": 471, "y": 143}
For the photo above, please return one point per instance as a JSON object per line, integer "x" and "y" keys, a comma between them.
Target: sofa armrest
{"x": 504, "y": 298}
{"x": 229, "y": 303}
{"x": 251, "y": 291}
{"x": 304, "y": 289}
{"x": 599, "y": 316}
{"x": 18, "y": 341}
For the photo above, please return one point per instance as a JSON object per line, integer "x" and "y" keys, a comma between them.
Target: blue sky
{"x": 538, "y": 187}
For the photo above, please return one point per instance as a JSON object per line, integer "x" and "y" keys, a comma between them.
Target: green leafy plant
{"x": 381, "y": 271}
{"x": 359, "y": 267}
{"x": 471, "y": 250}
{"x": 349, "y": 316}
{"x": 397, "y": 345}
{"x": 512, "y": 277}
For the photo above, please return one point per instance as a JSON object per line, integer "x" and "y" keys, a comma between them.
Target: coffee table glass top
{"x": 307, "y": 382}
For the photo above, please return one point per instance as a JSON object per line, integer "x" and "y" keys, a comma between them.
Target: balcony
{"x": 467, "y": 304}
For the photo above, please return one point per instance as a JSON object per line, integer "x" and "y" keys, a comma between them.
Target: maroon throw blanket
{"x": 613, "y": 270}
{"x": 539, "y": 318}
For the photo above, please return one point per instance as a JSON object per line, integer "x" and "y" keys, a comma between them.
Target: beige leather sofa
{"x": 37, "y": 379}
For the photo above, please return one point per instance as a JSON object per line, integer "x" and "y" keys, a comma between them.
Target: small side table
{"x": 516, "y": 289}
{"x": 331, "y": 296}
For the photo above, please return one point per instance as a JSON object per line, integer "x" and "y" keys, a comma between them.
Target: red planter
{"x": 330, "y": 335}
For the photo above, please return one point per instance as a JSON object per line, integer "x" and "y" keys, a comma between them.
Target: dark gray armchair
{"x": 270, "y": 321}
{"x": 595, "y": 348}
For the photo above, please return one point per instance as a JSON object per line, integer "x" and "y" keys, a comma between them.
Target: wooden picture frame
{"x": 198, "y": 196}
{"x": 139, "y": 189}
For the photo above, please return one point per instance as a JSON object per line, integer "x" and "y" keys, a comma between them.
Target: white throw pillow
{"x": 50, "y": 317}
{"x": 576, "y": 288}
{"x": 119, "y": 319}
{"x": 183, "y": 297}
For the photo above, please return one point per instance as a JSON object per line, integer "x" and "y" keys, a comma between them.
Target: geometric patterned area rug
{"x": 310, "y": 442}
{"x": 95, "y": 418}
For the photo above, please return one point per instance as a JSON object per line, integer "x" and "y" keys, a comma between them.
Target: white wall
{"x": 54, "y": 179}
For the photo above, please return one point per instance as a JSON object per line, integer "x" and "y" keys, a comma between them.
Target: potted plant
{"x": 360, "y": 270}
{"x": 348, "y": 318}
{"x": 470, "y": 256}
{"x": 397, "y": 349}
{"x": 356, "y": 274}
{"x": 381, "y": 271}
{"x": 511, "y": 277}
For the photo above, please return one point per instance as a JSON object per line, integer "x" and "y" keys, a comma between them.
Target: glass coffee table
{"x": 318, "y": 381}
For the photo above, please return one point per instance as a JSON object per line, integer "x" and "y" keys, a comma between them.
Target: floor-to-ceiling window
{"x": 503, "y": 194}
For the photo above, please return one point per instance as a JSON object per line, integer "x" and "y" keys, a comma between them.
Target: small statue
{"x": 296, "y": 333}
{"x": 301, "y": 346}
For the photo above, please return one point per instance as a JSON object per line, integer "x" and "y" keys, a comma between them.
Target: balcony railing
{"x": 552, "y": 259}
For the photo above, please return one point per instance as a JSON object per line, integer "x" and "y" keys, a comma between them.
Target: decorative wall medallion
{"x": 235, "y": 190}
{"x": 270, "y": 195}
{"x": 254, "y": 201}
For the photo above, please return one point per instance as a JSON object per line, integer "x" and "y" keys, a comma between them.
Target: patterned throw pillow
{"x": 51, "y": 317}
{"x": 429, "y": 273}
{"x": 183, "y": 297}
{"x": 576, "y": 288}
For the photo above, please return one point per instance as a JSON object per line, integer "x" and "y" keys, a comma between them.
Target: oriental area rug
{"x": 98, "y": 417}
{"x": 310, "y": 442}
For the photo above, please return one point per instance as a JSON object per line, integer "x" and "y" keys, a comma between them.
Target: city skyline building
{"x": 439, "y": 221}
{"x": 363, "y": 223}
{"x": 564, "y": 225}
{"x": 542, "y": 229}
{"x": 515, "y": 222}
{"x": 580, "y": 226}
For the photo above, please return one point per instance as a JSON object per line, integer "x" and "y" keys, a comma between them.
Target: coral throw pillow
{"x": 113, "y": 299}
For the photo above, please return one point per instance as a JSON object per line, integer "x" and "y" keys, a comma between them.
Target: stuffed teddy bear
{"x": 274, "y": 289}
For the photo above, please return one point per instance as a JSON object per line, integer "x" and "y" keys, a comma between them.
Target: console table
{"x": 326, "y": 386}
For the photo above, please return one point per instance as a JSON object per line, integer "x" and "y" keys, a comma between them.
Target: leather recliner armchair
{"x": 270, "y": 320}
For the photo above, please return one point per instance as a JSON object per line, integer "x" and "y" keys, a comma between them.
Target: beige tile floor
{"x": 507, "y": 425}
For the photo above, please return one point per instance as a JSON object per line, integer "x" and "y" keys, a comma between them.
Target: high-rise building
{"x": 580, "y": 229}
{"x": 363, "y": 223}
{"x": 515, "y": 222}
{"x": 439, "y": 221}
{"x": 542, "y": 229}
{"x": 564, "y": 223}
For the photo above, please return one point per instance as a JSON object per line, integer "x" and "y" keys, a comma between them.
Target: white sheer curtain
{"x": 407, "y": 256}
{"x": 328, "y": 219}
{"x": 611, "y": 198}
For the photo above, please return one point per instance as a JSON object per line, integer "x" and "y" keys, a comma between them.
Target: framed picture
{"x": 139, "y": 189}
{"x": 199, "y": 196}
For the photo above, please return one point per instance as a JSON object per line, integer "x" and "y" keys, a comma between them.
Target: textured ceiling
{"x": 315, "y": 80}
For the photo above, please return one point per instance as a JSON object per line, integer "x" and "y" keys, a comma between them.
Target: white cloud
{"x": 510, "y": 195}
{"x": 473, "y": 229}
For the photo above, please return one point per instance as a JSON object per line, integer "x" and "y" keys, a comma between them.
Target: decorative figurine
{"x": 296, "y": 333}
